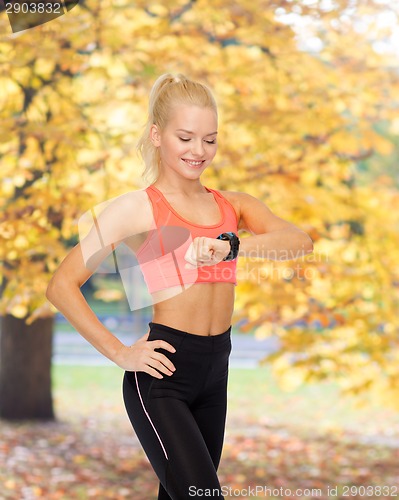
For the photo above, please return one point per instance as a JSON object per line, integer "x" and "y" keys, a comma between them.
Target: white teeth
{"x": 194, "y": 163}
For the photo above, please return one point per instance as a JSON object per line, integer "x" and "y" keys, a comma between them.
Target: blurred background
{"x": 308, "y": 99}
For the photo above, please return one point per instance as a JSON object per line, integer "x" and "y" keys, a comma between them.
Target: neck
{"x": 174, "y": 184}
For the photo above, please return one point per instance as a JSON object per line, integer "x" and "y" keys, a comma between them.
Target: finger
{"x": 158, "y": 365}
{"x": 195, "y": 250}
{"x": 162, "y": 344}
{"x": 196, "y": 255}
{"x": 164, "y": 360}
{"x": 207, "y": 251}
{"x": 188, "y": 257}
{"x": 153, "y": 372}
{"x": 204, "y": 249}
{"x": 200, "y": 246}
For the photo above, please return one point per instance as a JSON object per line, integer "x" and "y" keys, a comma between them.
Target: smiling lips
{"x": 193, "y": 163}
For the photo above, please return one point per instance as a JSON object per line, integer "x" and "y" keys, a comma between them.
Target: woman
{"x": 186, "y": 242}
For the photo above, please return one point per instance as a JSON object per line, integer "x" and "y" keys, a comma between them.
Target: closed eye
{"x": 208, "y": 142}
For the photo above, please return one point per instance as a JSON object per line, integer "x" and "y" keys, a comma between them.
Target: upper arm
{"x": 255, "y": 216}
{"x": 101, "y": 230}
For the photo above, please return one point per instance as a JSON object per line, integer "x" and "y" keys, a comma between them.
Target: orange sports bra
{"x": 161, "y": 256}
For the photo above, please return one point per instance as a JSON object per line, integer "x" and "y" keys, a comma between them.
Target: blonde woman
{"x": 185, "y": 238}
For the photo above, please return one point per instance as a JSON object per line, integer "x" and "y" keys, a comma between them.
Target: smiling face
{"x": 187, "y": 145}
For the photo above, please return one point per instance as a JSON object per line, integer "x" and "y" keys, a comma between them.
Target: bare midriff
{"x": 202, "y": 309}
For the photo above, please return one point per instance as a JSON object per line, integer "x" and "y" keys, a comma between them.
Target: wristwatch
{"x": 234, "y": 244}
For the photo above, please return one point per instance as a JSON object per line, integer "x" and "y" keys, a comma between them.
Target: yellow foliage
{"x": 109, "y": 295}
{"x": 19, "y": 310}
{"x": 289, "y": 378}
{"x": 263, "y": 331}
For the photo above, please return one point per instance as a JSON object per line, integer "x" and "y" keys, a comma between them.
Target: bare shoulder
{"x": 120, "y": 217}
{"x": 134, "y": 203}
{"x": 254, "y": 215}
{"x": 230, "y": 195}
{"x": 236, "y": 197}
{"x": 239, "y": 200}
{"x": 233, "y": 197}
{"x": 130, "y": 198}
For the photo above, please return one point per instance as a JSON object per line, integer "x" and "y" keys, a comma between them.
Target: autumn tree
{"x": 335, "y": 313}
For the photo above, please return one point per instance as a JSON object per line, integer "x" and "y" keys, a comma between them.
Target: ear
{"x": 155, "y": 135}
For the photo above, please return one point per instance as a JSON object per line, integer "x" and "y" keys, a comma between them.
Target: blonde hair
{"x": 167, "y": 91}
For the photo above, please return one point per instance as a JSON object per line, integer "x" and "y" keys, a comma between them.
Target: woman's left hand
{"x": 205, "y": 251}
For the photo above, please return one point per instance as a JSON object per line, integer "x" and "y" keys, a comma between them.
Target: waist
{"x": 190, "y": 341}
{"x": 203, "y": 308}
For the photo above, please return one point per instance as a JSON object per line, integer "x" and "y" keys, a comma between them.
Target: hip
{"x": 201, "y": 364}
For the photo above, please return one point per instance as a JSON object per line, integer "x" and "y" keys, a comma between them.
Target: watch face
{"x": 227, "y": 236}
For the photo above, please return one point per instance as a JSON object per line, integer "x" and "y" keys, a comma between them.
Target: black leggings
{"x": 180, "y": 419}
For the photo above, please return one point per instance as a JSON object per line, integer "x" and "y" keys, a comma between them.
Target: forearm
{"x": 276, "y": 245}
{"x": 69, "y": 300}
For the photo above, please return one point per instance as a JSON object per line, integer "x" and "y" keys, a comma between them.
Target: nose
{"x": 197, "y": 148}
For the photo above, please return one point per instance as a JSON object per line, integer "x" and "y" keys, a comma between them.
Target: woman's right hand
{"x": 142, "y": 357}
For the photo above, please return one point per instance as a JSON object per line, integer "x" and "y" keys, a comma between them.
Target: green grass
{"x": 254, "y": 399}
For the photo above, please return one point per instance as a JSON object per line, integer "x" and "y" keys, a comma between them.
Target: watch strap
{"x": 234, "y": 244}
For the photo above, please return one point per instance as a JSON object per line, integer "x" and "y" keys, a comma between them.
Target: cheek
{"x": 212, "y": 151}
{"x": 181, "y": 148}
{"x": 176, "y": 147}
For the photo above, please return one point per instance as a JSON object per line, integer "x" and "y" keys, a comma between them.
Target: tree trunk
{"x": 25, "y": 369}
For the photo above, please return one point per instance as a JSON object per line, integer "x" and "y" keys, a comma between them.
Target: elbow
{"x": 304, "y": 244}
{"x": 308, "y": 244}
{"x": 50, "y": 291}
{"x": 59, "y": 288}
{"x": 54, "y": 290}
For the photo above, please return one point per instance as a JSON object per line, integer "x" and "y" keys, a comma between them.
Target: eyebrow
{"x": 189, "y": 132}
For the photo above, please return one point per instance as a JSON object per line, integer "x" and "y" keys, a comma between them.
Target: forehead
{"x": 193, "y": 118}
